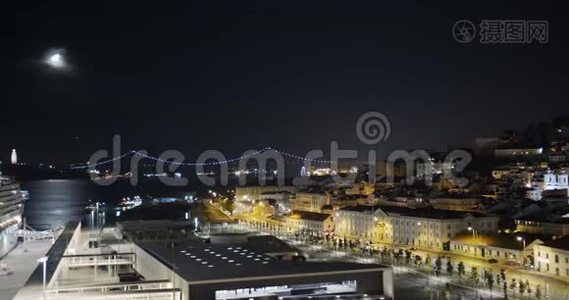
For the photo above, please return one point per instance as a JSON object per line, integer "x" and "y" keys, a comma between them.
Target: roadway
{"x": 212, "y": 213}
{"x": 417, "y": 285}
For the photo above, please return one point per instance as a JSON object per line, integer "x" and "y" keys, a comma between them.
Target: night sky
{"x": 238, "y": 75}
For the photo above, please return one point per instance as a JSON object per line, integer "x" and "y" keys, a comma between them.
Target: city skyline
{"x": 267, "y": 150}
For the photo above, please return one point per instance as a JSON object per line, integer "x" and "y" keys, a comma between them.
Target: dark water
{"x": 58, "y": 201}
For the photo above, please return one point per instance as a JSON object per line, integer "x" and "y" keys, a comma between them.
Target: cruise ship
{"x": 11, "y": 210}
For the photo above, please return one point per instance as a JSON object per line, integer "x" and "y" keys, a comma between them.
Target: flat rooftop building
{"x": 243, "y": 271}
{"x": 223, "y": 266}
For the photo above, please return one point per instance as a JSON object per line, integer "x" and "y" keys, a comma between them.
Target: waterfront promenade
{"x": 21, "y": 262}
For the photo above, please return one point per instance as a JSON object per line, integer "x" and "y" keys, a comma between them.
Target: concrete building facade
{"x": 423, "y": 228}
{"x": 552, "y": 258}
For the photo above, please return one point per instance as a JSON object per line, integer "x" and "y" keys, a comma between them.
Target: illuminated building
{"x": 310, "y": 222}
{"x": 517, "y": 152}
{"x": 555, "y": 227}
{"x": 455, "y": 202}
{"x": 423, "y": 227}
{"x": 552, "y": 257}
{"x": 549, "y": 181}
{"x": 310, "y": 201}
{"x": 362, "y": 221}
{"x": 14, "y": 157}
{"x": 512, "y": 248}
{"x": 280, "y": 199}
{"x": 245, "y": 196}
{"x": 252, "y": 193}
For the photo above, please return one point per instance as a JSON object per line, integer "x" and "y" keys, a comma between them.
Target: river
{"x": 57, "y": 201}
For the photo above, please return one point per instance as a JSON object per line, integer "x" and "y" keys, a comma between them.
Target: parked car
{"x": 492, "y": 260}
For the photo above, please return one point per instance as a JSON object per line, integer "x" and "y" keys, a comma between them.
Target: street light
{"x": 473, "y": 231}
{"x": 43, "y": 260}
{"x": 521, "y": 239}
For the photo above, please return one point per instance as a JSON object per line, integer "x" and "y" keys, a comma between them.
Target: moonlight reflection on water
{"x": 56, "y": 202}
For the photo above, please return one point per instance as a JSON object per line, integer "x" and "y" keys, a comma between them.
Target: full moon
{"x": 55, "y": 59}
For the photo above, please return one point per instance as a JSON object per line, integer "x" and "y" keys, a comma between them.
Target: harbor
{"x": 19, "y": 265}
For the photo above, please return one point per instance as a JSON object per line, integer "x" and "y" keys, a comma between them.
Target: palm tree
{"x": 418, "y": 259}
{"x": 522, "y": 288}
{"x": 528, "y": 286}
{"x": 408, "y": 254}
{"x": 490, "y": 282}
{"x": 438, "y": 264}
{"x": 450, "y": 268}
{"x": 407, "y": 257}
{"x": 513, "y": 285}
{"x": 428, "y": 265}
{"x": 461, "y": 271}
{"x": 474, "y": 275}
{"x": 428, "y": 260}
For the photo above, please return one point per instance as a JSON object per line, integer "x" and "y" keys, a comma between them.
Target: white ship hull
{"x": 11, "y": 210}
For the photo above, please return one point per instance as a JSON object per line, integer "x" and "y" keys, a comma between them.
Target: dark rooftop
{"x": 308, "y": 215}
{"x": 313, "y": 190}
{"x": 425, "y": 212}
{"x": 560, "y": 243}
{"x": 430, "y": 213}
{"x": 456, "y": 196}
{"x": 153, "y": 225}
{"x": 351, "y": 197}
{"x": 275, "y": 192}
{"x": 198, "y": 261}
{"x": 268, "y": 244}
{"x": 361, "y": 208}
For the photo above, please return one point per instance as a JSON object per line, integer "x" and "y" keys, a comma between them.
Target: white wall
{"x": 545, "y": 256}
{"x": 152, "y": 269}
